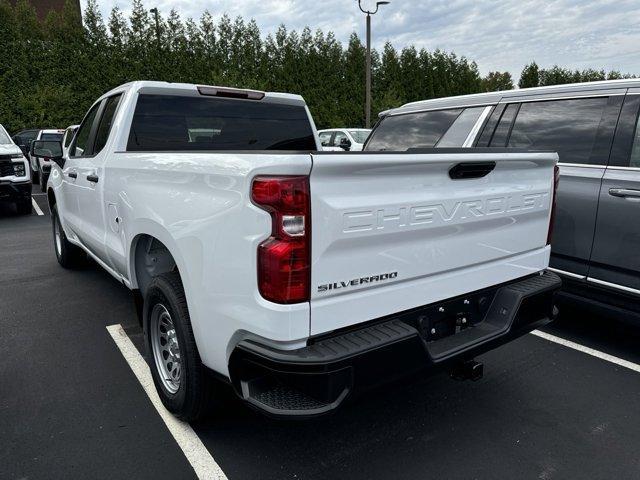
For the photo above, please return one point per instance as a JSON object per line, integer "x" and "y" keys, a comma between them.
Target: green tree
{"x": 530, "y": 76}
{"x": 496, "y": 81}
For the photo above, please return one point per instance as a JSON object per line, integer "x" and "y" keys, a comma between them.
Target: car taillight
{"x": 284, "y": 272}
{"x": 554, "y": 195}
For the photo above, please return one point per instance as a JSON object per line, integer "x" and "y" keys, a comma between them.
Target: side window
{"x": 412, "y": 130}
{"x": 104, "y": 127}
{"x": 80, "y": 145}
{"x": 325, "y": 138}
{"x": 461, "y": 128}
{"x": 68, "y": 137}
{"x": 501, "y": 133}
{"x": 569, "y": 127}
{"x": 339, "y": 138}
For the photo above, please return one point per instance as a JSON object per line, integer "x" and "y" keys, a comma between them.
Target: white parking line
{"x": 36, "y": 207}
{"x": 197, "y": 454}
{"x": 589, "y": 351}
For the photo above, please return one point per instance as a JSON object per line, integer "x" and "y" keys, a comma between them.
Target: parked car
{"x": 15, "y": 184}
{"x": 425, "y": 268}
{"x": 347, "y": 139}
{"x": 594, "y": 129}
{"x": 23, "y": 139}
{"x": 67, "y": 137}
{"x": 37, "y": 163}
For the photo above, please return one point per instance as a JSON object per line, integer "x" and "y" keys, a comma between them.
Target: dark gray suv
{"x": 594, "y": 128}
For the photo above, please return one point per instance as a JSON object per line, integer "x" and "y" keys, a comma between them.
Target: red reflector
{"x": 552, "y": 218}
{"x": 284, "y": 273}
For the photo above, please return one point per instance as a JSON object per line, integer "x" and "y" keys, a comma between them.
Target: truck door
{"x": 78, "y": 155}
{"x": 91, "y": 181}
{"x": 580, "y": 129}
{"x": 615, "y": 260}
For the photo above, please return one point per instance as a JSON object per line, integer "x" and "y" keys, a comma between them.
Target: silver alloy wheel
{"x": 166, "y": 349}
{"x": 57, "y": 236}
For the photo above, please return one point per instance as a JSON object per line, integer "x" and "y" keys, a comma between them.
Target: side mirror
{"x": 345, "y": 144}
{"x": 49, "y": 149}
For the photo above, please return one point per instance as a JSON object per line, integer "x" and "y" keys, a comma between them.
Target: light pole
{"x": 368, "y": 74}
{"x": 156, "y": 15}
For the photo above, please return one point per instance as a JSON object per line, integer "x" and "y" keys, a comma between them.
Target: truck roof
{"x": 192, "y": 88}
{"x": 494, "y": 97}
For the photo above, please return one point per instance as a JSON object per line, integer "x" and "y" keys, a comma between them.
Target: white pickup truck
{"x": 297, "y": 276}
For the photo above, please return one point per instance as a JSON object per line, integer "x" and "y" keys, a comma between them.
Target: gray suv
{"x": 594, "y": 128}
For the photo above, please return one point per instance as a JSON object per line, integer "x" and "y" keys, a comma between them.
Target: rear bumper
{"x": 14, "y": 191}
{"x": 316, "y": 379}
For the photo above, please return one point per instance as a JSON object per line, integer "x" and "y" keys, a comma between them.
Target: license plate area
{"x": 451, "y": 317}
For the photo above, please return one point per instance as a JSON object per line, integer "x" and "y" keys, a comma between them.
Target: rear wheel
{"x": 43, "y": 182}
{"x": 35, "y": 176}
{"x": 68, "y": 255}
{"x": 24, "y": 207}
{"x": 179, "y": 376}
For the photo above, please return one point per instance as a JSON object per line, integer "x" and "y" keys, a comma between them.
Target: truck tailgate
{"x": 391, "y": 232}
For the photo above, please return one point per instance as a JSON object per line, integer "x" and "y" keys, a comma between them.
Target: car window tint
{"x": 635, "y": 151}
{"x": 501, "y": 134}
{"x": 105, "y": 122}
{"x": 51, "y": 136}
{"x": 82, "y": 137}
{"x": 569, "y": 127}
{"x": 411, "y": 130}
{"x": 459, "y": 131}
{"x": 164, "y": 122}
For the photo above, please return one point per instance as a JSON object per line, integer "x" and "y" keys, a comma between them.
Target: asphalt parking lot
{"x": 70, "y": 406}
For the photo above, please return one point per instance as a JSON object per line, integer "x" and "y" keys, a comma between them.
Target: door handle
{"x": 72, "y": 175}
{"x": 93, "y": 178}
{"x": 624, "y": 192}
{"x": 464, "y": 171}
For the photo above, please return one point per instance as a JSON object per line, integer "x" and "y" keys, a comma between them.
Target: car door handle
{"x": 465, "y": 171}
{"x": 624, "y": 192}
{"x": 72, "y": 175}
{"x": 93, "y": 178}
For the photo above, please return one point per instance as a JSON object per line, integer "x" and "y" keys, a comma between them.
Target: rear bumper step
{"x": 318, "y": 378}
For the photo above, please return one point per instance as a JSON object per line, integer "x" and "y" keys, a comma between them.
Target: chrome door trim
{"x": 581, "y": 165}
{"x": 613, "y": 285}
{"x": 567, "y": 274}
{"x": 471, "y": 138}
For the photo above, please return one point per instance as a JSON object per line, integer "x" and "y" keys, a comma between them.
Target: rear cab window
{"x": 200, "y": 123}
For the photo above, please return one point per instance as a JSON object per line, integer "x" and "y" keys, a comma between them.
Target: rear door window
{"x": 411, "y": 130}
{"x": 104, "y": 127}
{"x": 569, "y": 127}
{"x": 635, "y": 150}
{"x": 175, "y": 123}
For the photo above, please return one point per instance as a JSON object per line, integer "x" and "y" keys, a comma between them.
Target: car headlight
{"x": 19, "y": 170}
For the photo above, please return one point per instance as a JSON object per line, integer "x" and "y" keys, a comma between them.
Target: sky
{"x": 502, "y": 35}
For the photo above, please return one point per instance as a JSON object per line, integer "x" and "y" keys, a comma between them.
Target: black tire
{"x": 68, "y": 254}
{"x": 24, "y": 207}
{"x": 35, "y": 177}
{"x": 193, "y": 397}
{"x": 43, "y": 182}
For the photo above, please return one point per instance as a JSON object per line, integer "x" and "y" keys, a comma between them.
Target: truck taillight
{"x": 284, "y": 272}
{"x": 554, "y": 195}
